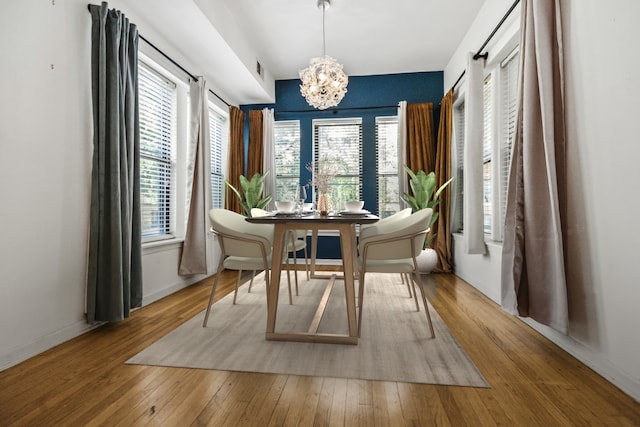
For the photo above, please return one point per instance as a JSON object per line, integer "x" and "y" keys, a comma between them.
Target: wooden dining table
{"x": 345, "y": 224}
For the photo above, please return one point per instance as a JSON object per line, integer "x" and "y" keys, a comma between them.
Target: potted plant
{"x": 424, "y": 195}
{"x": 251, "y": 196}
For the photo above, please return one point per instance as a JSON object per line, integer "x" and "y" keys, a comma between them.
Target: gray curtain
{"x": 194, "y": 250}
{"x": 114, "y": 278}
{"x": 533, "y": 273}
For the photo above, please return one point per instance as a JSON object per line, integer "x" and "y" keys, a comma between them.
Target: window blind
{"x": 487, "y": 154}
{"x": 387, "y": 166}
{"x": 217, "y": 126}
{"x": 509, "y": 83}
{"x": 286, "y": 141}
{"x": 339, "y": 142}
{"x": 157, "y": 110}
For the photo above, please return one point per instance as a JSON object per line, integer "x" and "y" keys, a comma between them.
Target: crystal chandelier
{"x": 323, "y": 82}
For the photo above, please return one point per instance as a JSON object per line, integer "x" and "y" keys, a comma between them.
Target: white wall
{"x": 603, "y": 271}
{"x": 45, "y": 175}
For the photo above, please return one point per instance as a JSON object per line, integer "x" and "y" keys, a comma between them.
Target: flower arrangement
{"x": 325, "y": 172}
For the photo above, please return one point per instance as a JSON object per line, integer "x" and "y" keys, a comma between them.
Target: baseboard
{"x": 590, "y": 358}
{"x": 44, "y": 343}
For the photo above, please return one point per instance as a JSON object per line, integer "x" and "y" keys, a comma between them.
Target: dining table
{"x": 345, "y": 223}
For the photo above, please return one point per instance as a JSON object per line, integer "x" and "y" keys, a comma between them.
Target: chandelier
{"x": 323, "y": 82}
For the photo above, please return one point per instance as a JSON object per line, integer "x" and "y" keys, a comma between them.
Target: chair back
{"x": 370, "y": 229}
{"x": 397, "y": 239}
{"x": 239, "y": 237}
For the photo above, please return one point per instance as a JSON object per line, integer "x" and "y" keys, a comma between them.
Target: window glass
{"x": 487, "y": 153}
{"x": 339, "y": 143}
{"x": 286, "y": 141}
{"x": 388, "y": 167}
{"x": 217, "y": 140}
{"x": 509, "y": 93}
{"x": 157, "y": 106}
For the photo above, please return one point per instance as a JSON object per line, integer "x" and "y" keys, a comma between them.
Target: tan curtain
{"x": 256, "y": 147}
{"x": 420, "y": 147}
{"x": 533, "y": 271}
{"x": 442, "y": 243}
{"x": 235, "y": 165}
{"x": 194, "y": 249}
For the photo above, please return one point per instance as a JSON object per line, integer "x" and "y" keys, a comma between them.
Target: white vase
{"x": 427, "y": 260}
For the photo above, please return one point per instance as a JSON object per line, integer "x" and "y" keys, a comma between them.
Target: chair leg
{"x": 289, "y": 280}
{"x": 253, "y": 276}
{"x": 424, "y": 302}
{"x": 405, "y": 279}
{"x": 295, "y": 262}
{"x": 411, "y": 283}
{"x": 213, "y": 292}
{"x": 235, "y": 294}
{"x": 360, "y": 300}
{"x": 306, "y": 262}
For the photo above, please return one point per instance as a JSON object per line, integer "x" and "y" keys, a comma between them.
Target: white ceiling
{"x": 366, "y": 36}
{"x": 223, "y": 39}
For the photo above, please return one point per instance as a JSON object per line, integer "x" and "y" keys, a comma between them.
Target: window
{"x": 217, "y": 141}
{"x": 487, "y": 153}
{"x": 157, "y": 106}
{"x": 286, "y": 141}
{"x": 509, "y": 92}
{"x": 388, "y": 166}
{"x": 340, "y": 141}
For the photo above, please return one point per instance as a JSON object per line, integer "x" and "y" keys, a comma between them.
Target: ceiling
{"x": 366, "y": 36}
{"x": 223, "y": 39}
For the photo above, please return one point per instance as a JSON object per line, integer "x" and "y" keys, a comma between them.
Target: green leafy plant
{"x": 251, "y": 196}
{"x": 425, "y": 195}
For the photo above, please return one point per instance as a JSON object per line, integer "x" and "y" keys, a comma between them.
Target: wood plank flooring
{"x": 84, "y": 382}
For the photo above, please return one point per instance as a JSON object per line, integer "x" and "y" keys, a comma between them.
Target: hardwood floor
{"x": 533, "y": 382}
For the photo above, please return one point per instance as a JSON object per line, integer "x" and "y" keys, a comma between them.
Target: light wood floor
{"x": 533, "y": 382}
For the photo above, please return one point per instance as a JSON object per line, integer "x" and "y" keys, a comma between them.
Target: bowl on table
{"x": 354, "y": 205}
{"x": 285, "y": 206}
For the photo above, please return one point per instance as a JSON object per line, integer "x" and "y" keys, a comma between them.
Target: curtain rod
{"x": 495, "y": 30}
{"x": 173, "y": 62}
{"x": 335, "y": 110}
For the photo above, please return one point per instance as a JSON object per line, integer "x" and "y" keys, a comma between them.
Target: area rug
{"x": 394, "y": 345}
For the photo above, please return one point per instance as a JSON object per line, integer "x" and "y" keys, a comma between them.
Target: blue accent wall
{"x": 367, "y": 97}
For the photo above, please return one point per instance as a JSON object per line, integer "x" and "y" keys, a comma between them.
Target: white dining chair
{"x": 393, "y": 248}
{"x": 244, "y": 246}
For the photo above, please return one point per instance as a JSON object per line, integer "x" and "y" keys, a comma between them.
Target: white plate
{"x": 360, "y": 212}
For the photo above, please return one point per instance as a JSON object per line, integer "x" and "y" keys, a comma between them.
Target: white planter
{"x": 427, "y": 260}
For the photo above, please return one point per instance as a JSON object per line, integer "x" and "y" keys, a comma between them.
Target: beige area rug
{"x": 394, "y": 344}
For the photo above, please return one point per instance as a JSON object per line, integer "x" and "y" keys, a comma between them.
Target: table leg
{"x": 276, "y": 267}
{"x": 347, "y": 238}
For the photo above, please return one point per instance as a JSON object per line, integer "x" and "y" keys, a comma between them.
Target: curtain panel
{"x": 533, "y": 266}
{"x": 473, "y": 207}
{"x": 235, "y": 164}
{"x": 256, "y": 144}
{"x": 420, "y": 146}
{"x": 403, "y": 178}
{"x": 194, "y": 250}
{"x": 114, "y": 275}
{"x": 442, "y": 242}
{"x": 269, "y": 160}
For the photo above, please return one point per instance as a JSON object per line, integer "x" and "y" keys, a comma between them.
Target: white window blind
{"x": 387, "y": 165}
{"x": 217, "y": 139}
{"x": 286, "y": 141}
{"x": 487, "y": 154}
{"x": 509, "y": 89}
{"x": 459, "y": 118}
{"x": 157, "y": 107}
{"x": 340, "y": 142}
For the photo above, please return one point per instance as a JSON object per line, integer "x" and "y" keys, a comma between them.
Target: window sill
{"x": 162, "y": 245}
